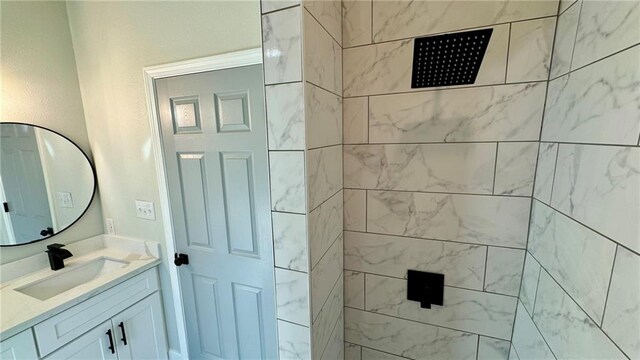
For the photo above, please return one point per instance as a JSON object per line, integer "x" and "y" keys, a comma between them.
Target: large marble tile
{"x": 329, "y": 15}
{"x": 529, "y": 286}
{"x": 600, "y": 187}
{"x": 292, "y": 296}
{"x": 370, "y": 354}
{"x": 322, "y": 56}
{"x": 326, "y": 276}
{"x": 273, "y": 5}
{"x": 323, "y": 117}
{"x": 282, "y": 46}
{"x": 530, "y": 50}
{"x": 569, "y": 332}
{"x": 515, "y": 168}
{"x": 462, "y": 264}
{"x": 545, "y": 170}
{"x": 294, "y": 341}
{"x": 290, "y": 241}
{"x": 397, "y": 19}
{"x": 407, "y": 338}
{"x": 457, "y": 168}
{"x": 622, "y": 315}
{"x": 286, "y": 169}
{"x": 529, "y": 343}
{"x": 466, "y": 310}
{"x": 493, "y": 349}
{"x": 354, "y": 289}
{"x": 285, "y": 117}
{"x": 596, "y": 104}
{"x": 504, "y": 270}
{"x": 605, "y": 27}
{"x": 324, "y": 174}
{"x": 565, "y": 40}
{"x": 578, "y": 258}
{"x": 352, "y": 351}
{"x": 323, "y": 325}
{"x": 355, "y": 203}
{"x": 477, "y": 219}
{"x": 356, "y": 22}
{"x": 386, "y": 67}
{"x": 356, "y": 120}
{"x": 335, "y": 347}
{"x": 325, "y": 225}
{"x": 494, "y": 113}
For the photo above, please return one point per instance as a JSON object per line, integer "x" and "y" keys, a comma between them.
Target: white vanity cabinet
{"x": 124, "y": 321}
{"x": 20, "y": 346}
{"x": 135, "y": 333}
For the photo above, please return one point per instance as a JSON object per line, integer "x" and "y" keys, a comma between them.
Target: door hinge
{"x": 5, "y": 205}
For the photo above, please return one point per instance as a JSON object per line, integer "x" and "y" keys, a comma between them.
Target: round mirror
{"x": 46, "y": 183}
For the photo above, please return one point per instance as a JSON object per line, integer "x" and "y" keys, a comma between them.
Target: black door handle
{"x": 111, "y": 347}
{"x": 124, "y": 335}
{"x": 181, "y": 259}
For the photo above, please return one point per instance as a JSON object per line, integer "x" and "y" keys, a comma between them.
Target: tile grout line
{"x": 428, "y": 239}
{"x": 575, "y": 39}
{"x": 495, "y": 169}
{"x": 537, "y": 328}
{"x": 606, "y": 299}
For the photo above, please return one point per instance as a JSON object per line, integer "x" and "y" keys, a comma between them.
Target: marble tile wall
{"x": 440, "y": 179}
{"x": 578, "y": 297}
{"x": 303, "y": 76}
{"x": 322, "y": 46}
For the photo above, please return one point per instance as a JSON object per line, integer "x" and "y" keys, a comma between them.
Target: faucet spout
{"x": 57, "y": 255}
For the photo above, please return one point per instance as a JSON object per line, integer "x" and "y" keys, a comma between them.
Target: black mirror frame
{"x": 93, "y": 193}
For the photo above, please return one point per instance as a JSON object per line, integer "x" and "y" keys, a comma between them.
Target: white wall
{"x": 113, "y": 42}
{"x": 40, "y": 86}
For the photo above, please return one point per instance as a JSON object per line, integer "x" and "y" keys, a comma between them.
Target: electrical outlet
{"x": 111, "y": 230}
{"x": 64, "y": 199}
{"x": 145, "y": 210}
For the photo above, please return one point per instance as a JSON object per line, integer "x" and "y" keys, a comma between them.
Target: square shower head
{"x": 449, "y": 59}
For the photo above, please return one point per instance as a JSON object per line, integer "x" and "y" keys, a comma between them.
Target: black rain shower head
{"x": 449, "y": 59}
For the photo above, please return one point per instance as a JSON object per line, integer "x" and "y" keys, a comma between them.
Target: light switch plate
{"x": 64, "y": 199}
{"x": 111, "y": 229}
{"x": 145, "y": 210}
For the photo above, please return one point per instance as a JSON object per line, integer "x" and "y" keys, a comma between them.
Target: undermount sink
{"x": 70, "y": 277}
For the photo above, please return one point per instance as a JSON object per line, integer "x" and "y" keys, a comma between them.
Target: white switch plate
{"x": 111, "y": 230}
{"x": 64, "y": 199}
{"x": 145, "y": 210}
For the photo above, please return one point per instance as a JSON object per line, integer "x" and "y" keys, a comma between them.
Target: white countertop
{"x": 19, "y": 311}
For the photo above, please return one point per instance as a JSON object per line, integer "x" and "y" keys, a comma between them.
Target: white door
{"x": 139, "y": 331}
{"x": 97, "y": 344}
{"x": 215, "y": 147}
{"x": 23, "y": 182}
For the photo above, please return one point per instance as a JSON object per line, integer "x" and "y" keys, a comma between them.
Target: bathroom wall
{"x": 113, "y": 42}
{"x": 439, "y": 179}
{"x": 303, "y": 76}
{"x": 40, "y": 86}
{"x": 580, "y": 291}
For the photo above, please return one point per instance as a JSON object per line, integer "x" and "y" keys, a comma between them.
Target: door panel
{"x": 24, "y": 183}
{"x": 92, "y": 345}
{"x": 142, "y": 326}
{"x": 214, "y": 140}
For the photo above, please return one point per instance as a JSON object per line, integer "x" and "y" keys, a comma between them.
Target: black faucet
{"x": 57, "y": 255}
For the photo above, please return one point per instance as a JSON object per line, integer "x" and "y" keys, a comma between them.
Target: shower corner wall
{"x": 303, "y": 76}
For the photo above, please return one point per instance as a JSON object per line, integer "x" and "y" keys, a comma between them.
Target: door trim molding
{"x": 151, "y": 73}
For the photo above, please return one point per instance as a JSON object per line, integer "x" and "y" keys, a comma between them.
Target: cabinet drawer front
{"x": 69, "y": 324}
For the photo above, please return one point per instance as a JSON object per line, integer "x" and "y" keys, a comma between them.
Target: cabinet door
{"x": 92, "y": 345}
{"x": 21, "y": 346}
{"x": 140, "y": 332}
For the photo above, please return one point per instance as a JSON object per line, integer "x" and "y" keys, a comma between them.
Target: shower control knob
{"x": 180, "y": 259}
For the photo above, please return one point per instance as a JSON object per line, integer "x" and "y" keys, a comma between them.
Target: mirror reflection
{"x": 46, "y": 183}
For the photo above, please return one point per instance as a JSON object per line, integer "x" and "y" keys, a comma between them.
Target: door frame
{"x": 151, "y": 73}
